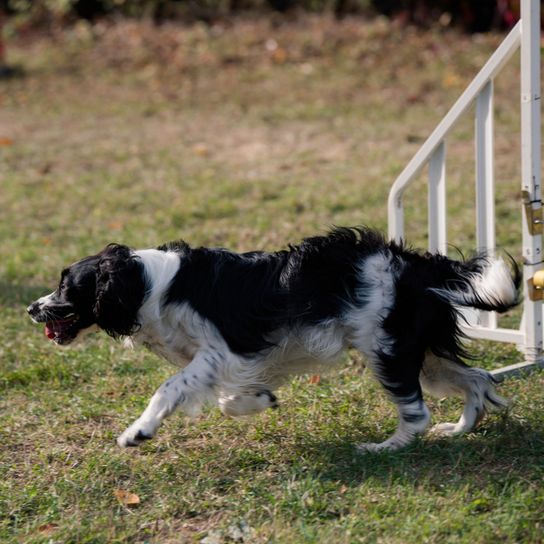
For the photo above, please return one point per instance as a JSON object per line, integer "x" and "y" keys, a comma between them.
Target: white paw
{"x": 135, "y": 435}
{"x": 445, "y": 429}
{"x": 245, "y": 405}
{"x": 374, "y": 447}
{"x": 266, "y": 399}
{"x": 396, "y": 442}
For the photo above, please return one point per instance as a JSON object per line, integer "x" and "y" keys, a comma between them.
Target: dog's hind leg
{"x": 400, "y": 379}
{"x": 444, "y": 378}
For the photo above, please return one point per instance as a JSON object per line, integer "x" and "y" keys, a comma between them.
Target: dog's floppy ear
{"x": 120, "y": 289}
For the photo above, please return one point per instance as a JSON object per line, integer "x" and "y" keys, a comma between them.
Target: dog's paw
{"x": 372, "y": 447}
{"x": 248, "y": 404}
{"x": 446, "y": 429}
{"x": 134, "y": 436}
{"x": 267, "y": 399}
{"x": 391, "y": 444}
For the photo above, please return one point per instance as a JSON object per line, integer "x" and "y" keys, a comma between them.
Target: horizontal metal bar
{"x": 517, "y": 369}
{"x": 498, "y": 334}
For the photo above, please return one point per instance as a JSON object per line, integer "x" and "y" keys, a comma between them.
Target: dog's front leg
{"x": 187, "y": 389}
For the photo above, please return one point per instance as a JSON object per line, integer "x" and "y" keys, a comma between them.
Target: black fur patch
{"x": 248, "y": 296}
{"x": 413, "y": 417}
{"x": 141, "y": 437}
{"x": 120, "y": 291}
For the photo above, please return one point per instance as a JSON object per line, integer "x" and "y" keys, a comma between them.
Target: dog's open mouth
{"x": 61, "y": 330}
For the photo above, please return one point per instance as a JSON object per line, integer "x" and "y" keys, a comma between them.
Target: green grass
{"x": 141, "y": 135}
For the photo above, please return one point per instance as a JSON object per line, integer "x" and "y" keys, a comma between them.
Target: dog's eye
{"x": 63, "y": 282}
{"x": 63, "y": 286}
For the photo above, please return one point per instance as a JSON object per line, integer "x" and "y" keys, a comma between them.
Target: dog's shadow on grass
{"x": 18, "y": 294}
{"x": 502, "y": 447}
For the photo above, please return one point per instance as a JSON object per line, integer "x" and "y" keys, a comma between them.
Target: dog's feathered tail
{"x": 483, "y": 283}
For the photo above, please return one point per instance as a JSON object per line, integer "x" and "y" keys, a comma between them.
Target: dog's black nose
{"x": 33, "y": 308}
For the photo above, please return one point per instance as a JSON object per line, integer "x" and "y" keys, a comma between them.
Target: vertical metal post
{"x": 395, "y": 214}
{"x": 530, "y": 169}
{"x": 437, "y": 200}
{"x": 485, "y": 182}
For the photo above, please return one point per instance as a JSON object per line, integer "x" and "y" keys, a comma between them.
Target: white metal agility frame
{"x": 525, "y": 36}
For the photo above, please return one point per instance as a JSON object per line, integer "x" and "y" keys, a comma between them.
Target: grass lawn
{"x": 247, "y": 135}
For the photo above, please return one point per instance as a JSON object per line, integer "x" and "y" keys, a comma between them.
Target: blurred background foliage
{"x": 473, "y": 16}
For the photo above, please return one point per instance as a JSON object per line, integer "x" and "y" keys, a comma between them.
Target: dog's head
{"x": 104, "y": 290}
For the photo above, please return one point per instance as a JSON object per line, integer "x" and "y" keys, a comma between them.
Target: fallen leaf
{"x": 45, "y": 168}
{"x": 279, "y": 56}
{"x": 5, "y": 141}
{"x": 126, "y": 497}
{"x": 47, "y": 528}
{"x": 451, "y": 80}
{"x": 343, "y": 489}
{"x": 315, "y": 379}
{"x": 201, "y": 150}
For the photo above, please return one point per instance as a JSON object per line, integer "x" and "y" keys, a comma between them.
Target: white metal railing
{"x": 525, "y": 35}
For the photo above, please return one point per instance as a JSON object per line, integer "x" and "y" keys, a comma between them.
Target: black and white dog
{"x": 239, "y": 325}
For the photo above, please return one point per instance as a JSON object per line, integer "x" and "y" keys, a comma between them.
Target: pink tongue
{"x": 50, "y": 333}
